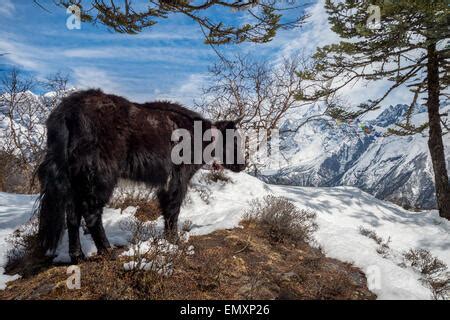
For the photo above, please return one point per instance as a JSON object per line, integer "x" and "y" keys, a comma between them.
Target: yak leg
{"x": 94, "y": 192}
{"x": 170, "y": 200}
{"x": 94, "y": 223}
{"x": 73, "y": 220}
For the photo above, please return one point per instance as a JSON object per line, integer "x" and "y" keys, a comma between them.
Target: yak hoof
{"x": 108, "y": 253}
{"x": 77, "y": 258}
{"x": 172, "y": 236}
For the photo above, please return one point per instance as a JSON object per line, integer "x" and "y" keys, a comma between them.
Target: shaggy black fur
{"x": 93, "y": 140}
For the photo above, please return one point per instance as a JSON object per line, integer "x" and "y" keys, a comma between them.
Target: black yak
{"x": 94, "y": 139}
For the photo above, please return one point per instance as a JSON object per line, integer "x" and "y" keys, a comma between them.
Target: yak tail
{"x": 56, "y": 198}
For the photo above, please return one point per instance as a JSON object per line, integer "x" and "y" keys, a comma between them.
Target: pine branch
{"x": 124, "y": 17}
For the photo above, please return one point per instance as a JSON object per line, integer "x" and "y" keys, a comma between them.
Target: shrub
{"x": 16, "y": 177}
{"x": 151, "y": 258}
{"x": 282, "y": 219}
{"x": 370, "y": 234}
{"x": 214, "y": 176}
{"x": 425, "y": 262}
{"x": 25, "y": 257}
{"x": 383, "y": 245}
{"x": 434, "y": 271}
{"x": 187, "y": 226}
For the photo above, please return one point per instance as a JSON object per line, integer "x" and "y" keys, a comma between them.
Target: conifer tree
{"x": 404, "y": 41}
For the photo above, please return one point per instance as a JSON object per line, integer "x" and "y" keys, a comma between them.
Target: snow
{"x": 340, "y": 213}
{"x": 15, "y": 210}
{"x": 326, "y": 153}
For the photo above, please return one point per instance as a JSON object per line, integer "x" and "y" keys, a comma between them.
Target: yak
{"x": 93, "y": 140}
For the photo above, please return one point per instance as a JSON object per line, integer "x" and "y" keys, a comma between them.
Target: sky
{"x": 166, "y": 61}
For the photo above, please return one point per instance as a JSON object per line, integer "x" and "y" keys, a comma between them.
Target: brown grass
{"x": 243, "y": 263}
{"x": 24, "y": 257}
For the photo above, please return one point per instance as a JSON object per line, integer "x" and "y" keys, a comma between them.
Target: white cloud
{"x": 168, "y": 54}
{"x": 86, "y": 72}
{"x": 186, "y": 92}
{"x": 21, "y": 54}
{"x": 96, "y": 78}
{"x": 316, "y": 32}
{"x": 7, "y": 8}
{"x": 87, "y": 77}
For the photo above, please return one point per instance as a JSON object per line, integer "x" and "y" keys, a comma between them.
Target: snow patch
{"x": 340, "y": 213}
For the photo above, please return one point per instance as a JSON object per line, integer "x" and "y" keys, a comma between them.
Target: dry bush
{"x": 25, "y": 257}
{"x": 425, "y": 262}
{"x": 383, "y": 245}
{"x": 370, "y": 234}
{"x": 214, "y": 176}
{"x": 435, "y": 272}
{"x": 151, "y": 258}
{"x": 383, "y": 248}
{"x": 187, "y": 226}
{"x": 24, "y": 135}
{"x": 16, "y": 177}
{"x": 281, "y": 219}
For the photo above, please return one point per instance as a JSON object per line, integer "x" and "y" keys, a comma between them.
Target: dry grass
{"x": 243, "y": 263}
{"x": 24, "y": 257}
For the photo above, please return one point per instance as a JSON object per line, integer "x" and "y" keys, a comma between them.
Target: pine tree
{"x": 404, "y": 41}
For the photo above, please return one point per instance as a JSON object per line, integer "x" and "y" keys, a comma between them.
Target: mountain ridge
{"x": 325, "y": 153}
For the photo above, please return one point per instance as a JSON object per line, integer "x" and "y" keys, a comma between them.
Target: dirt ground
{"x": 241, "y": 263}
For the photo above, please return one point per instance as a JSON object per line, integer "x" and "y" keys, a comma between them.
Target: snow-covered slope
{"x": 15, "y": 210}
{"x": 340, "y": 213}
{"x": 326, "y": 153}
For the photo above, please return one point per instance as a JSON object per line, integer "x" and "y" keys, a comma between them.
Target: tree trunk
{"x": 435, "y": 142}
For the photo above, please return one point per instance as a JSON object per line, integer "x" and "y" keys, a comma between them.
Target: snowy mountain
{"x": 341, "y": 211}
{"x": 325, "y": 153}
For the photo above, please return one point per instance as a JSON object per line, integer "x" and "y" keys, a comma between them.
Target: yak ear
{"x": 225, "y": 124}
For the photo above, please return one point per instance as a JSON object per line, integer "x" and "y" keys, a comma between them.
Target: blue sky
{"x": 167, "y": 61}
